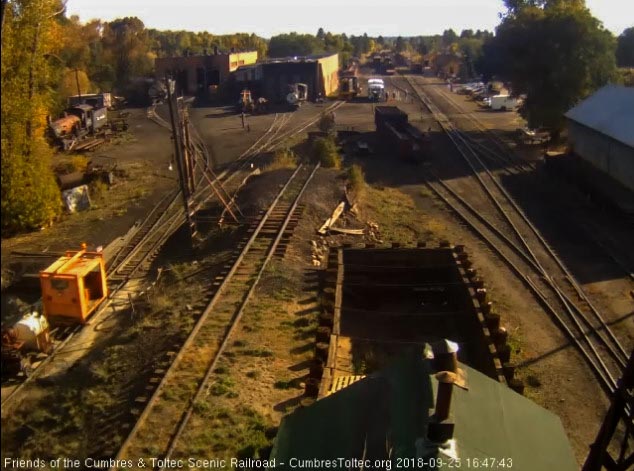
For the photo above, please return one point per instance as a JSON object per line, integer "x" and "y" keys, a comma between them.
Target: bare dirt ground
{"x": 221, "y": 127}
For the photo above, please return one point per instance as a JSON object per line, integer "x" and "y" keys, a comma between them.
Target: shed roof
{"x": 296, "y": 59}
{"x": 390, "y": 410}
{"x": 610, "y": 111}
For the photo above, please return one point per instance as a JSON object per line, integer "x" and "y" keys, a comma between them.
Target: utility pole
{"x": 179, "y": 157}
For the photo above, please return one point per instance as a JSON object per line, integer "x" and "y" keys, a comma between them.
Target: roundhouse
{"x": 199, "y": 74}
{"x": 319, "y": 72}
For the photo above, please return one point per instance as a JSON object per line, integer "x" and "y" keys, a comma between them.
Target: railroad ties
{"x": 508, "y": 232}
{"x": 171, "y": 401}
{"x": 382, "y": 297}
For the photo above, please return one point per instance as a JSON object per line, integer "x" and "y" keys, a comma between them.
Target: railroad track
{"x": 488, "y": 141}
{"x": 166, "y": 217}
{"x": 173, "y": 404}
{"x": 509, "y": 233}
{"x": 273, "y": 138}
{"x": 493, "y": 147}
{"x": 122, "y": 266}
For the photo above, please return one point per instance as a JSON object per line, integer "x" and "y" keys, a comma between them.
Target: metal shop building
{"x": 200, "y": 75}
{"x": 601, "y": 132}
{"x": 319, "y": 72}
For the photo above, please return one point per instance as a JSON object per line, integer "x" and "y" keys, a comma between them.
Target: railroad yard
{"x": 207, "y": 341}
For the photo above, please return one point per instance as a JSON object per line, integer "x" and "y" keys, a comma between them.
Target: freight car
{"x": 349, "y": 83}
{"x": 395, "y": 132}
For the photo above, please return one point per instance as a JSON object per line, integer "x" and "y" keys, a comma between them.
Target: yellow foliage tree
{"x": 30, "y": 196}
{"x": 74, "y": 82}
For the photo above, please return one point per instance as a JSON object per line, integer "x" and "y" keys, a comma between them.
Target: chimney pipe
{"x": 440, "y": 428}
{"x": 443, "y": 400}
{"x": 445, "y": 356}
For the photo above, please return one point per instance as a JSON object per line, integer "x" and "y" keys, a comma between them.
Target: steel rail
{"x": 621, "y": 354}
{"x": 447, "y": 125}
{"x": 212, "y": 366}
{"x": 541, "y": 297}
{"x": 151, "y": 114}
{"x": 202, "y": 319}
{"x": 492, "y": 135}
{"x": 568, "y": 305}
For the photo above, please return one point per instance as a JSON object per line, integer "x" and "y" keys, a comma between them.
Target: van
{"x": 504, "y": 103}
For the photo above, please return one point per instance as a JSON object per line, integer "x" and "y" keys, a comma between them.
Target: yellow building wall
{"x": 238, "y": 59}
{"x": 330, "y": 74}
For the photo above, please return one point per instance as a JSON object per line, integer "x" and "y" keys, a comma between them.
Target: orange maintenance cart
{"x": 73, "y": 287}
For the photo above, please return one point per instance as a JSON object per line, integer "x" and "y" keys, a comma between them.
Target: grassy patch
{"x": 515, "y": 341}
{"x": 397, "y": 216}
{"x": 327, "y": 122}
{"x": 98, "y": 190}
{"x": 257, "y": 352}
{"x": 426, "y": 192}
{"x": 283, "y": 158}
{"x": 356, "y": 181}
{"x": 286, "y": 384}
{"x": 240, "y": 432}
{"x": 223, "y": 386}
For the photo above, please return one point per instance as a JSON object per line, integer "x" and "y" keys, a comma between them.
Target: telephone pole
{"x": 179, "y": 156}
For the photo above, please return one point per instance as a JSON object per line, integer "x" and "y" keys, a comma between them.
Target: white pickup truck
{"x": 504, "y": 103}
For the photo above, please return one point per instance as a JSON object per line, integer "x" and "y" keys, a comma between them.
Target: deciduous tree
{"x": 555, "y": 53}
{"x": 294, "y": 44}
{"x": 30, "y": 197}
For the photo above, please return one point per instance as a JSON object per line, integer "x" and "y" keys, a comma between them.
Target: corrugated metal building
{"x": 601, "y": 132}
{"x": 198, "y": 75}
{"x": 319, "y": 72}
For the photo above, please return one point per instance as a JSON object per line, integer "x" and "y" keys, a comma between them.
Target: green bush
{"x": 325, "y": 151}
{"x": 356, "y": 179}
{"x": 30, "y": 195}
{"x": 327, "y": 122}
